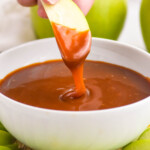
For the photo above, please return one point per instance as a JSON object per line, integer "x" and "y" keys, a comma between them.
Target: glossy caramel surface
{"x": 43, "y": 84}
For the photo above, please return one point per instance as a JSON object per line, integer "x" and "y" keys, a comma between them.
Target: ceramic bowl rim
{"x": 110, "y": 110}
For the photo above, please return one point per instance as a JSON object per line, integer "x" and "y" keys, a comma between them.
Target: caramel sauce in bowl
{"x": 104, "y": 129}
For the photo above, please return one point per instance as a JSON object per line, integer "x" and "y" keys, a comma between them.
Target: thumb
{"x": 50, "y": 2}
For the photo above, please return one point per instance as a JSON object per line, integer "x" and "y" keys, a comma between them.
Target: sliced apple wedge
{"x": 73, "y": 37}
{"x": 66, "y": 13}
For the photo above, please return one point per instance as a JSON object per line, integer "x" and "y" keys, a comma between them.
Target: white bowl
{"x": 44, "y": 129}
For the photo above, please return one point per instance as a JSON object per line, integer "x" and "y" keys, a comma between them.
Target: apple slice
{"x": 68, "y": 14}
{"x": 74, "y": 40}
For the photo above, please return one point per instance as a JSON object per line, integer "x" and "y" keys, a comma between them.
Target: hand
{"x": 85, "y": 5}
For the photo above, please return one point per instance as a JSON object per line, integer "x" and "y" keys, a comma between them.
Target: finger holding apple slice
{"x": 73, "y": 36}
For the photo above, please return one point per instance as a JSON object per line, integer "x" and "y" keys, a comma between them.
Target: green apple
{"x": 138, "y": 145}
{"x": 42, "y": 27}
{"x": 9, "y": 147}
{"x": 143, "y": 142}
{"x": 13, "y": 146}
{"x": 6, "y": 138}
{"x": 2, "y": 127}
{"x": 145, "y": 135}
{"x": 4, "y": 148}
{"x": 106, "y": 19}
{"x": 145, "y": 22}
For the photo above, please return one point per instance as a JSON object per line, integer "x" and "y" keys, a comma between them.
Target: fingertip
{"x": 20, "y": 2}
{"x": 84, "y": 5}
{"x": 27, "y": 2}
{"x": 42, "y": 13}
{"x": 50, "y": 2}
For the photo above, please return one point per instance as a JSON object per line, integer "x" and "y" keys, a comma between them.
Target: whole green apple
{"x": 106, "y": 19}
{"x": 42, "y": 27}
{"x": 145, "y": 22}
